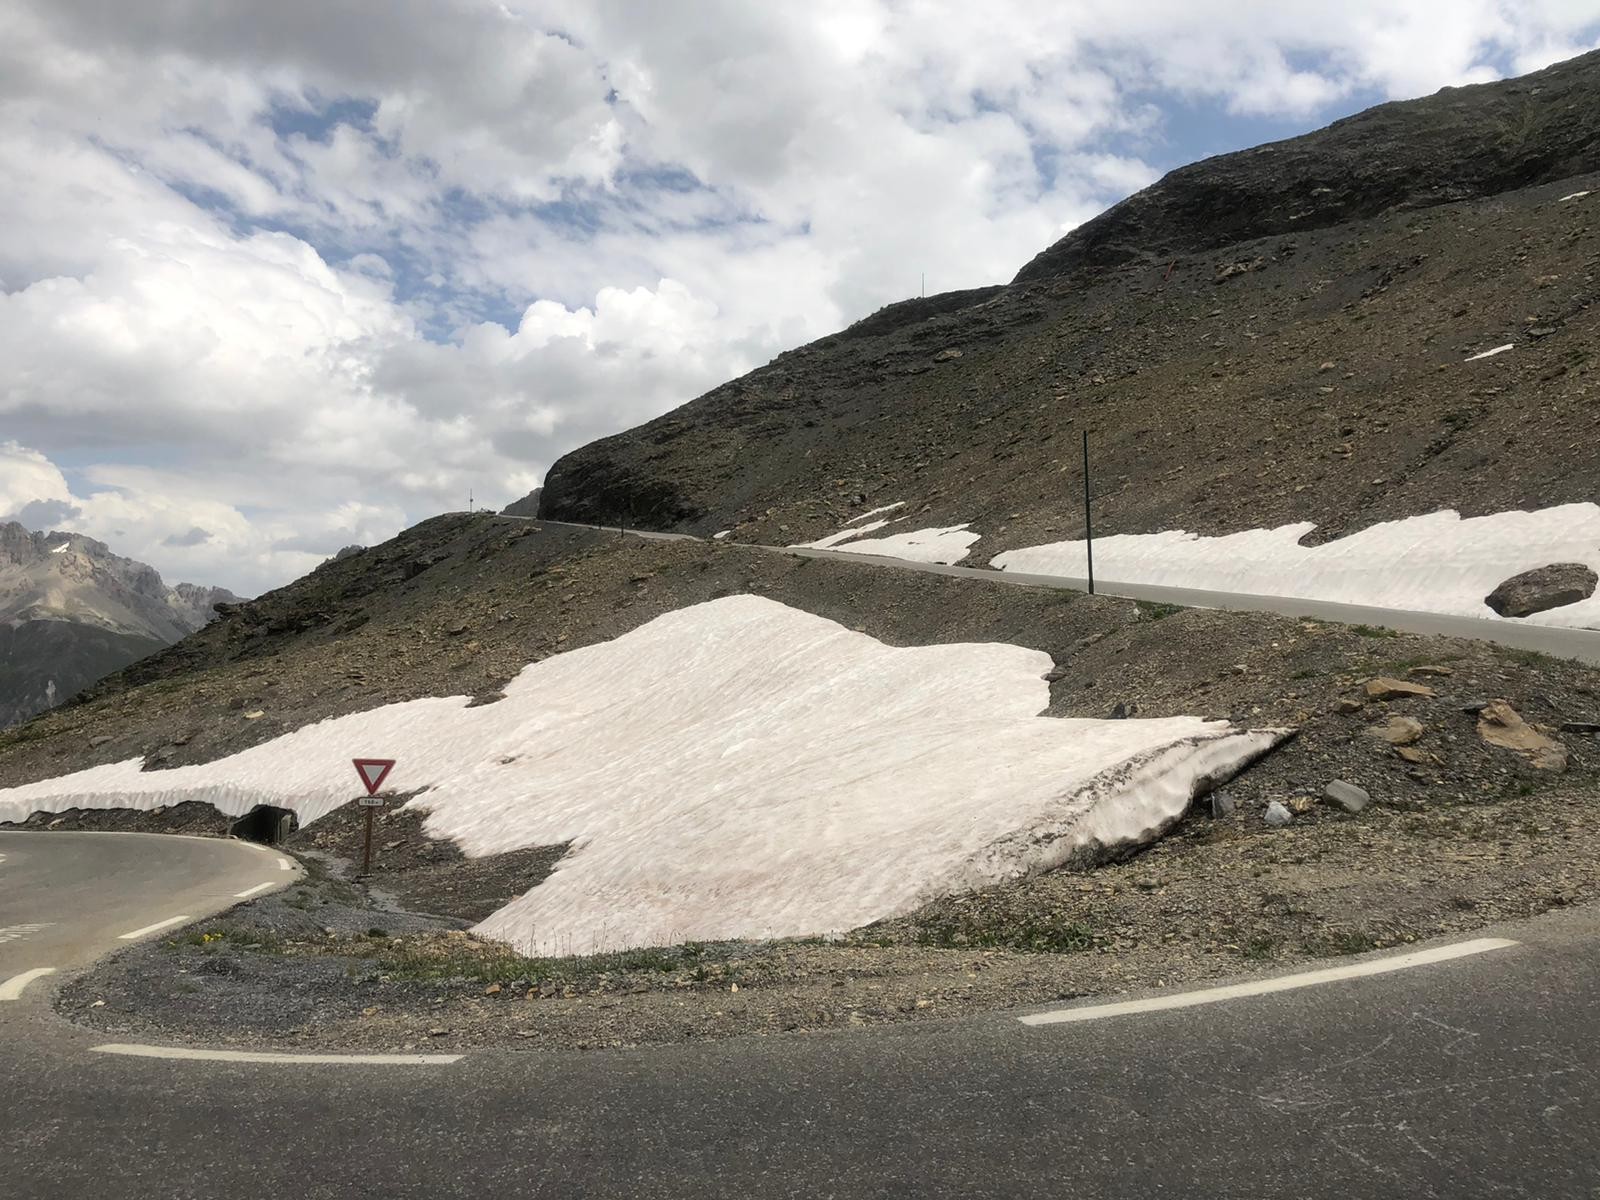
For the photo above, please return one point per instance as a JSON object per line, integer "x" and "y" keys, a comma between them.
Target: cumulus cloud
{"x": 295, "y": 277}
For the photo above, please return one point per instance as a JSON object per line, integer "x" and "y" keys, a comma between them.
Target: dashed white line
{"x": 139, "y": 933}
{"x": 11, "y": 989}
{"x": 248, "y": 1056}
{"x": 1262, "y": 987}
{"x": 284, "y": 864}
{"x": 260, "y": 887}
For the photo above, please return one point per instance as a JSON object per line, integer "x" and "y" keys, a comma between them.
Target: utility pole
{"x": 469, "y": 500}
{"x": 1088, "y": 528}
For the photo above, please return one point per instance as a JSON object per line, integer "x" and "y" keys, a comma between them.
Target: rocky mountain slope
{"x": 1277, "y": 335}
{"x": 71, "y": 612}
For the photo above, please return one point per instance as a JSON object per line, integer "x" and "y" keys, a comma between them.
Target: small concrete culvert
{"x": 265, "y": 824}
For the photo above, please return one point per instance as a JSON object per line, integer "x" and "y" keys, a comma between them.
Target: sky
{"x": 279, "y": 278}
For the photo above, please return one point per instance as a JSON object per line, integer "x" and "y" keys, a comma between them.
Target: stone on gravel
{"x": 1384, "y": 688}
{"x": 1347, "y": 795}
{"x": 1501, "y": 725}
{"x": 1543, "y": 588}
{"x": 1580, "y": 727}
{"x": 1277, "y": 815}
{"x": 1429, "y": 669}
{"x": 1348, "y": 704}
{"x": 1397, "y": 731}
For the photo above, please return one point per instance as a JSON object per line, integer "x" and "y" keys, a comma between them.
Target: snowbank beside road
{"x": 734, "y": 769}
{"x": 947, "y": 545}
{"x": 1438, "y": 563}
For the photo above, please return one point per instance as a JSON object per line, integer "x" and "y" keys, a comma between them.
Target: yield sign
{"x": 373, "y": 772}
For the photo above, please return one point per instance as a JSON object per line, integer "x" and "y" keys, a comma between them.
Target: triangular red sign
{"x": 373, "y": 772}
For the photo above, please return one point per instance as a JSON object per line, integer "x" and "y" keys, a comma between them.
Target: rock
{"x": 349, "y": 552}
{"x": 1543, "y": 588}
{"x": 1122, "y": 710}
{"x": 1566, "y": 727}
{"x": 1348, "y": 704}
{"x": 1277, "y": 815}
{"x": 1324, "y": 368}
{"x": 254, "y": 716}
{"x": 1426, "y": 669}
{"x": 1347, "y": 795}
{"x": 1222, "y": 804}
{"x": 947, "y": 355}
{"x": 1412, "y": 755}
{"x": 492, "y": 990}
{"x": 1501, "y": 725}
{"x": 1397, "y": 731}
{"x": 101, "y": 740}
{"x": 1384, "y": 688}
{"x": 1472, "y": 707}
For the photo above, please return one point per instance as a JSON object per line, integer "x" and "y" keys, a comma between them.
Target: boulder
{"x": 1277, "y": 815}
{"x": 1347, "y": 795}
{"x": 1501, "y": 725}
{"x": 1543, "y": 588}
{"x": 1397, "y": 730}
{"x": 1384, "y": 688}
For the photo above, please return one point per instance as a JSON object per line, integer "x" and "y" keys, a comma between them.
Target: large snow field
{"x": 1438, "y": 563}
{"x": 734, "y": 769}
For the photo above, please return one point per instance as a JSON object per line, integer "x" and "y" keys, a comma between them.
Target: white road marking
{"x": 15, "y": 933}
{"x": 1262, "y": 987}
{"x": 247, "y": 1056}
{"x": 285, "y": 865}
{"x": 260, "y": 887}
{"x": 139, "y": 933}
{"x": 11, "y": 989}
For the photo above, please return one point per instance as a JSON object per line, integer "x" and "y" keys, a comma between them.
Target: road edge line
{"x": 1265, "y": 987}
{"x": 12, "y": 988}
{"x": 136, "y": 1050}
{"x": 139, "y": 933}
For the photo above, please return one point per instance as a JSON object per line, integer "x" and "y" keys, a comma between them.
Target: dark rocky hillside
{"x": 1265, "y": 337}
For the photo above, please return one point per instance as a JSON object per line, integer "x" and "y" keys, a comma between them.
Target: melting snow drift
{"x": 734, "y": 769}
{"x": 947, "y": 545}
{"x": 1437, "y": 563}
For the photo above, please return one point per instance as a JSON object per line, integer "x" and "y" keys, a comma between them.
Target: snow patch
{"x": 1573, "y": 196}
{"x": 734, "y": 769}
{"x": 844, "y": 535}
{"x": 60, "y": 548}
{"x": 1437, "y": 563}
{"x": 947, "y": 545}
{"x": 719, "y": 536}
{"x": 1490, "y": 353}
{"x": 872, "y": 512}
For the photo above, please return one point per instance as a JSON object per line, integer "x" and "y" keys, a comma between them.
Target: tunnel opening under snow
{"x": 738, "y": 768}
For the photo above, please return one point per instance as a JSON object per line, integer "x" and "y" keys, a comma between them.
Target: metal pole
{"x": 1088, "y": 529}
{"x": 366, "y": 855}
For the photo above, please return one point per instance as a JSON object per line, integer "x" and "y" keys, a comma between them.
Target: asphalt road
{"x": 68, "y": 898}
{"x": 1581, "y": 644}
{"x": 1472, "y": 1078}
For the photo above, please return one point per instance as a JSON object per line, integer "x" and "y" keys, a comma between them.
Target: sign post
{"x": 373, "y": 772}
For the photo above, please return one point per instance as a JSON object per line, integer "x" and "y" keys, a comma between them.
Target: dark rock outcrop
{"x": 1459, "y": 144}
{"x": 1543, "y": 588}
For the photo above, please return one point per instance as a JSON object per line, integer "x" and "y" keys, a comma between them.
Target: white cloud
{"x": 286, "y": 273}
